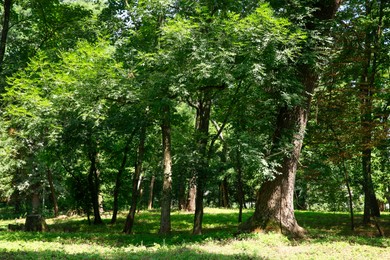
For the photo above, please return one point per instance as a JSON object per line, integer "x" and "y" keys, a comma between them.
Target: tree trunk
{"x": 224, "y": 190}
{"x": 274, "y": 209}
{"x": 240, "y": 190}
{"x": 181, "y": 180}
{"x": 140, "y": 192}
{"x": 224, "y": 193}
{"x": 118, "y": 179}
{"x": 202, "y": 136}
{"x": 190, "y": 205}
{"x": 370, "y": 67}
{"x": 4, "y": 31}
{"x": 151, "y": 194}
{"x": 137, "y": 174}
{"x": 350, "y": 198}
{"x": 52, "y": 192}
{"x": 94, "y": 183}
{"x": 165, "y": 224}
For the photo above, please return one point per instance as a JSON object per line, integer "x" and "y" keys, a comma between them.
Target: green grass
{"x": 329, "y": 237}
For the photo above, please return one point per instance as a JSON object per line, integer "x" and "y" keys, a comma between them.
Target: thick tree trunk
{"x": 274, "y": 209}
{"x": 4, "y": 31}
{"x": 202, "y": 136}
{"x": 52, "y": 192}
{"x": 137, "y": 174}
{"x": 94, "y": 186}
{"x": 118, "y": 179}
{"x": 151, "y": 193}
{"x": 165, "y": 224}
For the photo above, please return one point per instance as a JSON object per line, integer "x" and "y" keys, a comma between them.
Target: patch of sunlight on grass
{"x": 73, "y": 238}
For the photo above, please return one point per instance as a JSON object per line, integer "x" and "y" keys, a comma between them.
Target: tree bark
{"x": 137, "y": 174}
{"x": 4, "y": 31}
{"x": 366, "y": 88}
{"x": 118, "y": 180}
{"x": 191, "y": 196}
{"x": 151, "y": 193}
{"x": 224, "y": 193}
{"x": 240, "y": 190}
{"x": 94, "y": 186}
{"x": 224, "y": 189}
{"x": 52, "y": 192}
{"x": 202, "y": 136}
{"x": 274, "y": 209}
{"x": 165, "y": 223}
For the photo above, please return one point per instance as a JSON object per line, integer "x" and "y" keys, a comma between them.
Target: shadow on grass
{"x": 180, "y": 253}
{"x": 219, "y": 225}
{"x": 336, "y": 227}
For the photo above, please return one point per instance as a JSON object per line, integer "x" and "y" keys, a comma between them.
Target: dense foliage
{"x": 90, "y": 88}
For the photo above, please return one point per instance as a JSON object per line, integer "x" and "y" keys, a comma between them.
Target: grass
{"x": 329, "y": 237}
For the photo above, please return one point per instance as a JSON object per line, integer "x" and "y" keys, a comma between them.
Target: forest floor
{"x": 329, "y": 237}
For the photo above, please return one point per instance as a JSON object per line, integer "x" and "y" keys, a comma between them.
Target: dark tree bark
{"x": 366, "y": 87}
{"x": 4, "y": 31}
{"x": 224, "y": 193}
{"x": 94, "y": 187}
{"x": 151, "y": 192}
{"x": 137, "y": 174}
{"x": 165, "y": 223}
{"x": 240, "y": 190}
{"x": 202, "y": 137}
{"x": 52, "y": 192}
{"x": 118, "y": 180}
{"x": 274, "y": 208}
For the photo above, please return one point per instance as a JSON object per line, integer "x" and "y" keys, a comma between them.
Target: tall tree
{"x": 274, "y": 203}
{"x": 136, "y": 178}
{"x": 4, "y": 29}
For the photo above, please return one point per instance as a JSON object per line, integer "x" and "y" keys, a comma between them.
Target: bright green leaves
{"x": 222, "y": 49}
{"x": 79, "y": 84}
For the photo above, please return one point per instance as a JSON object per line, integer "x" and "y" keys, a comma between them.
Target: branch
{"x": 228, "y": 113}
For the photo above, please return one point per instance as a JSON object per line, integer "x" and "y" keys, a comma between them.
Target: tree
{"x": 274, "y": 204}
{"x": 4, "y": 30}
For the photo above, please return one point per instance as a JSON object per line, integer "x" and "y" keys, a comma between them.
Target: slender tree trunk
{"x": 202, "y": 135}
{"x": 140, "y": 192}
{"x": 151, "y": 193}
{"x": 118, "y": 179}
{"x": 224, "y": 193}
{"x": 274, "y": 209}
{"x": 191, "y": 196}
{"x": 346, "y": 179}
{"x": 4, "y": 31}
{"x": 350, "y": 198}
{"x": 165, "y": 224}
{"x": 93, "y": 182}
{"x": 224, "y": 184}
{"x": 240, "y": 190}
{"x": 52, "y": 192}
{"x": 370, "y": 67}
{"x": 137, "y": 174}
{"x": 181, "y": 180}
